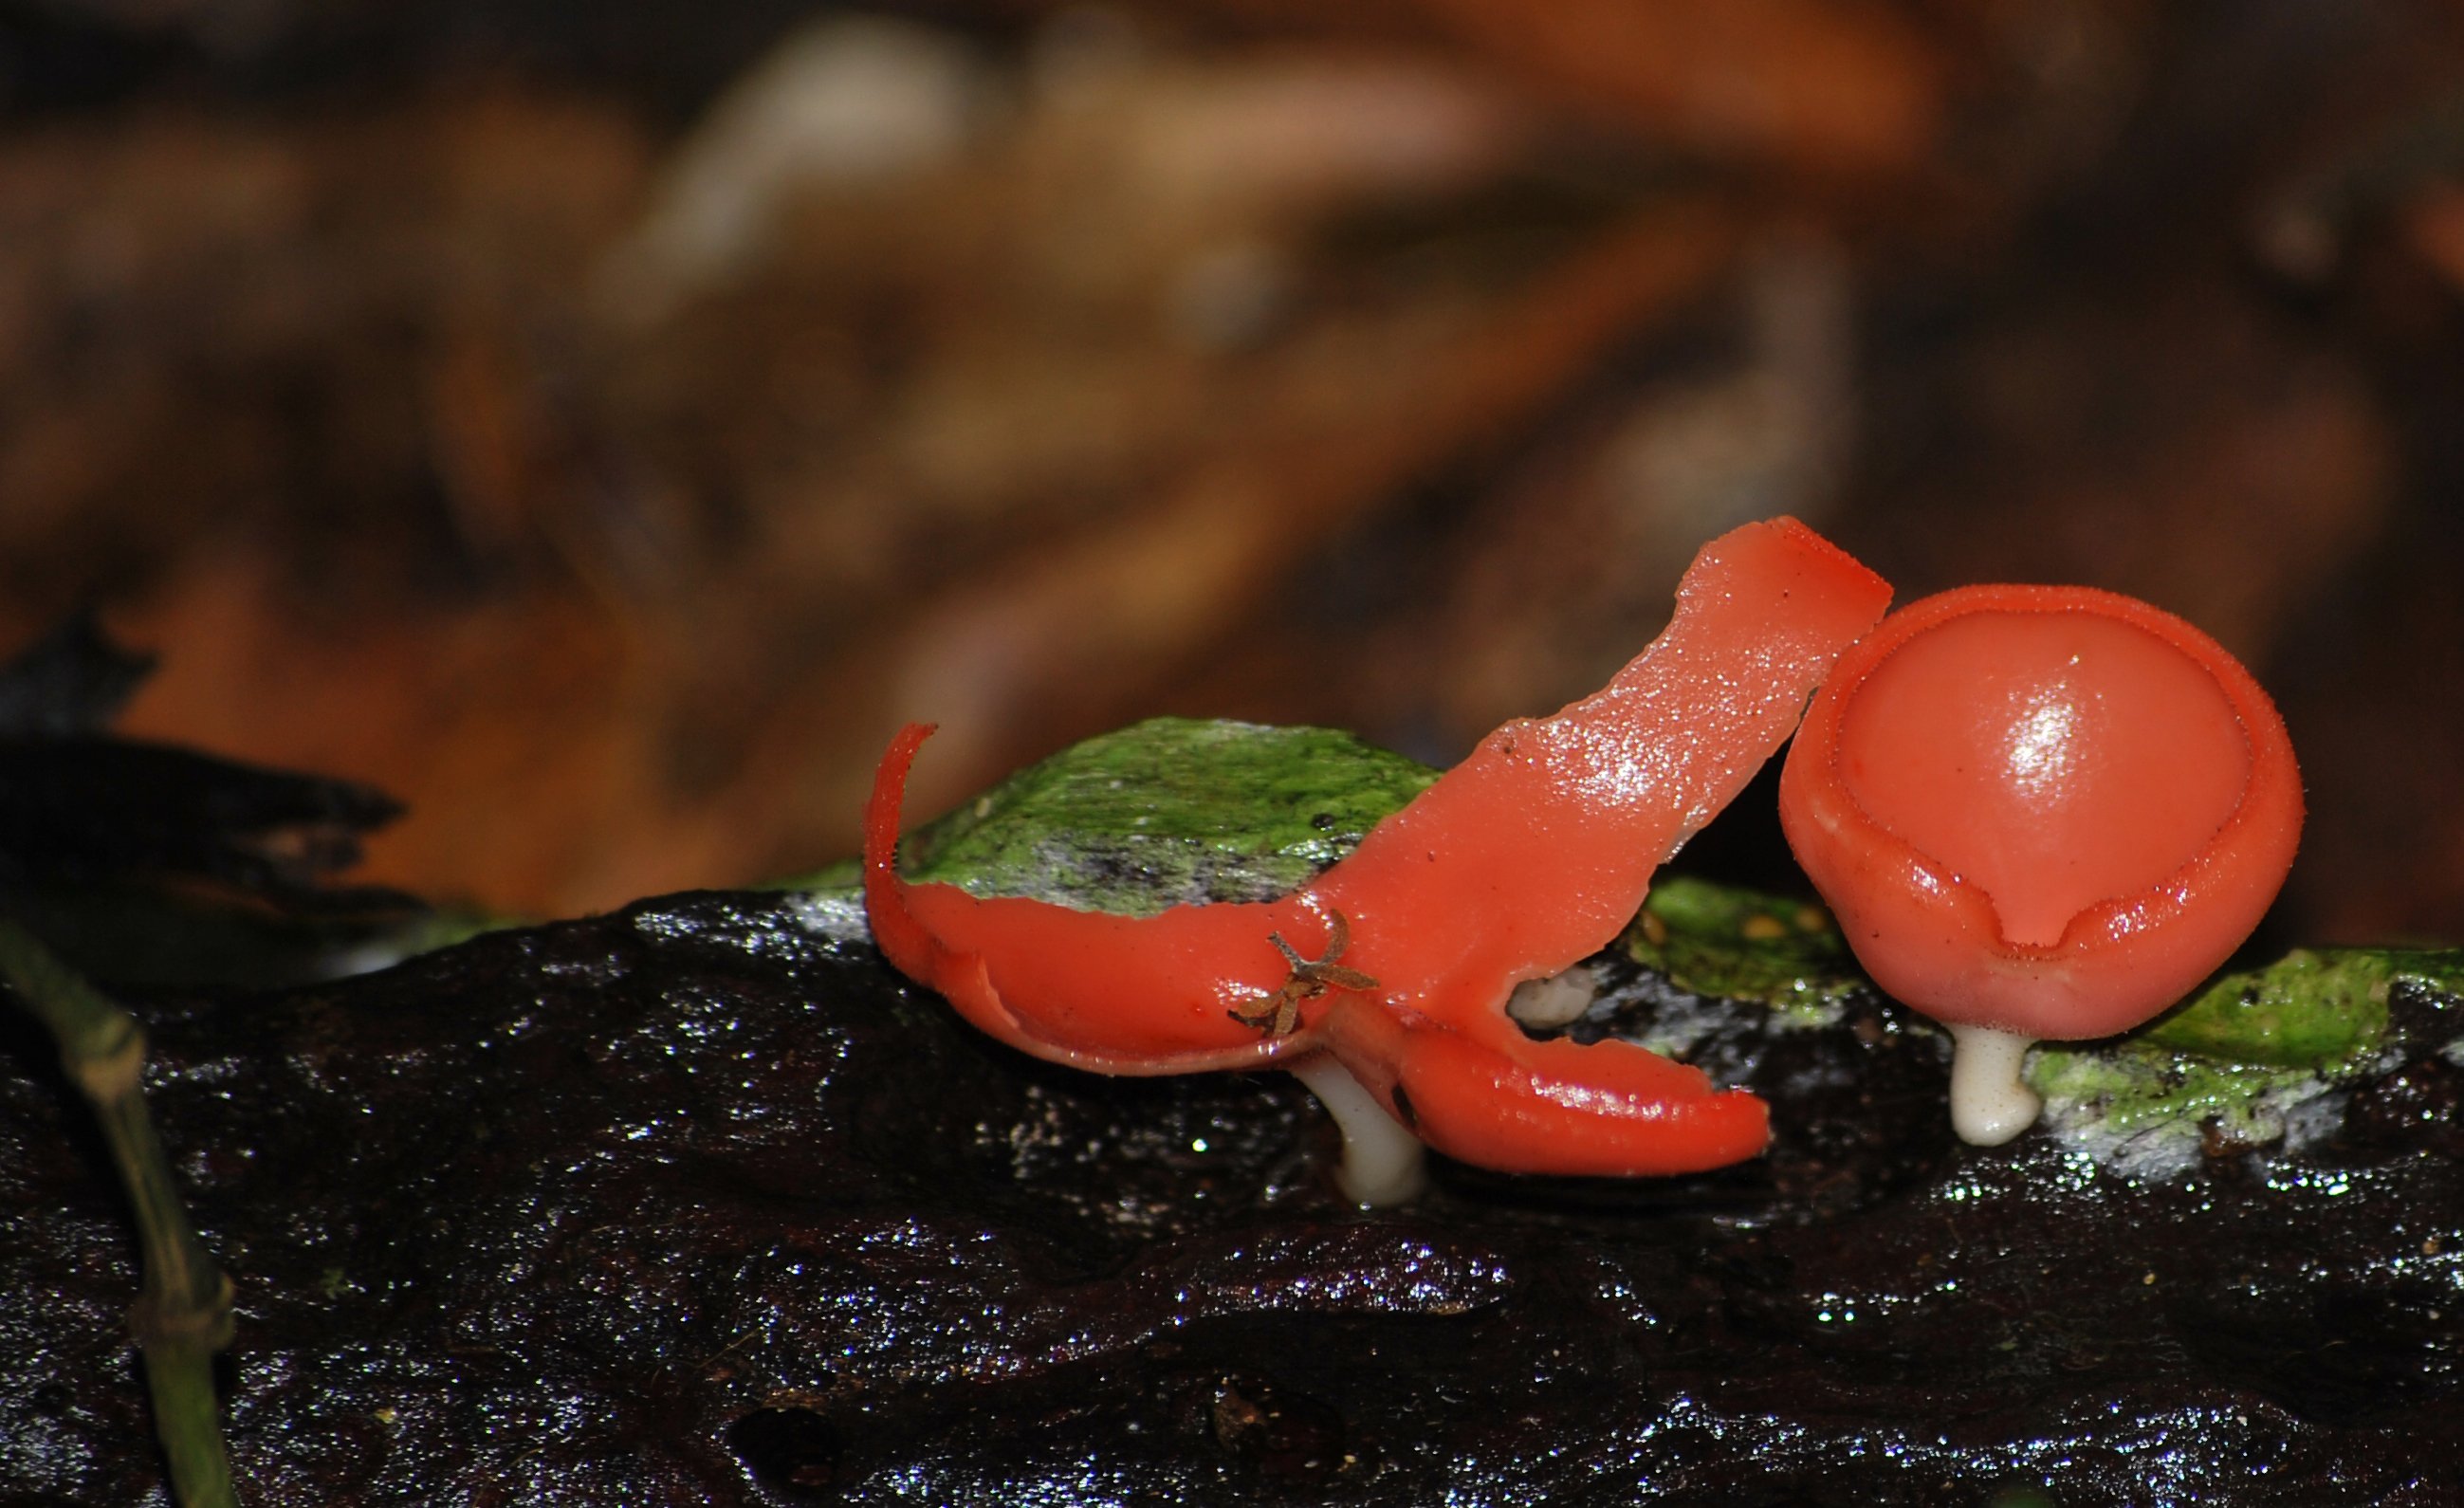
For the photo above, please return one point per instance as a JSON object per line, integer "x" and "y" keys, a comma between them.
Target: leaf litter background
{"x": 601, "y": 425}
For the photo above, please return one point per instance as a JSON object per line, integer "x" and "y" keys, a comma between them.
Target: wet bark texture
{"x": 701, "y": 1203}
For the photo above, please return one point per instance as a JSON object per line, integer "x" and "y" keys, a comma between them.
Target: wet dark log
{"x": 699, "y": 1203}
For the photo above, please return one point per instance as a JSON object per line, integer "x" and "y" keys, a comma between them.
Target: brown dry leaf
{"x": 999, "y": 439}
{"x": 210, "y": 327}
{"x": 527, "y": 730}
{"x": 268, "y": 383}
{"x": 610, "y": 499}
{"x": 1070, "y": 637}
{"x": 1812, "y": 84}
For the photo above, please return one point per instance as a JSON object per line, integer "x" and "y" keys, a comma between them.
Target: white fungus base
{"x": 1383, "y": 1163}
{"x": 1988, "y": 1103}
{"x": 1557, "y": 1000}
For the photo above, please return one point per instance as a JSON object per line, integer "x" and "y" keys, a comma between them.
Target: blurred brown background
{"x": 600, "y": 424}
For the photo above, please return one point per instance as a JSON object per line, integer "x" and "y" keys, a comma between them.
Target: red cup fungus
{"x": 1384, "y": 982}
{"x": 2039, "y": 812}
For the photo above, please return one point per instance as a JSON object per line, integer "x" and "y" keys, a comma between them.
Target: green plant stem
{"x": 183, "y": 1315}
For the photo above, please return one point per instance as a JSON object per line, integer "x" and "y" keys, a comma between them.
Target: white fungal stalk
{"x": 1989, "y": 1104}
{"x": 1383, "y": 1163}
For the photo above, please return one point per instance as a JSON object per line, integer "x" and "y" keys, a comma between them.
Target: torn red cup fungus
{"x": 2039, "y": 812}
{"x": 1383, "y": 982}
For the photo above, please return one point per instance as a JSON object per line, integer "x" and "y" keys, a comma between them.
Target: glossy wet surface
{"x": 697, "y": 1203}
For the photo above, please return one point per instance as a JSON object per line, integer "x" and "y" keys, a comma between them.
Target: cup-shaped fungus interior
{"x": 2052, "y": 758}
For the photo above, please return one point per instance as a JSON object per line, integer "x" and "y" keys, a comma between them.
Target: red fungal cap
{"x": 1522, "y": 861}
{"x": 2046, "y": 810}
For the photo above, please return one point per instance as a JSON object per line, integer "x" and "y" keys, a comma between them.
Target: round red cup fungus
{"x": 2039, "y": 812}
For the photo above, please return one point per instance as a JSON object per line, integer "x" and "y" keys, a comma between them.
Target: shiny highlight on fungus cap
{"x": 2039, "y": 812}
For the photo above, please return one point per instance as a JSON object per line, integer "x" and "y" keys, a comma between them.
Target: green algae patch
{"x": 2136, "y": 1092}
{"x": 1174, "y": 811}
{"x": 1169, "y": 812}
{"x": 2310, "y": 1009}
{"x": 2254, "y": 1059}
{"x": 1724, "y": 941}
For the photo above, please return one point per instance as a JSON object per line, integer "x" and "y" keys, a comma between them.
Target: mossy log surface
{"x": 701, "y": 1203}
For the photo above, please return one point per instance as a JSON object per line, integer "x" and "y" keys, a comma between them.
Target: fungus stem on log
{"x": 2040, "y": 812}
{"x": 183, "y": 1316}
{"x": 1383, "y": 1162}
{"x": 1989, "y": 1104}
